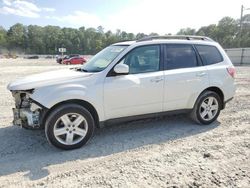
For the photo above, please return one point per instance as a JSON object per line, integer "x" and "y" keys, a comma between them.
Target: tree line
{"x": 35, "y": 39}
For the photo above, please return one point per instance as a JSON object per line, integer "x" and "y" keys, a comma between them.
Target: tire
{"x": 207, "y": 108}
{"x": 69, "y": 126}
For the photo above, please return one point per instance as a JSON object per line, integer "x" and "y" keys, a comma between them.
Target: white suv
{"x": 125, "y": 81}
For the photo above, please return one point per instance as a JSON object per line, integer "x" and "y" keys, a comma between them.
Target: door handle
{"x": 157, "y": 79}
{"x": 200, "y": 74}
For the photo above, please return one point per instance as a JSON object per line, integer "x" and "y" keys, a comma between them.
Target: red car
{"x": 74, "y": 60}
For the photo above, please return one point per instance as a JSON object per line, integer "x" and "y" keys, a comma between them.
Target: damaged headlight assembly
{"x": 26, "y": 112}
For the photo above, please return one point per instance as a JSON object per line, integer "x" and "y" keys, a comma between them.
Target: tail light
{"x": 231, "y": 71}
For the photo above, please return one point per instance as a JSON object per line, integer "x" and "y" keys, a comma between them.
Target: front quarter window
{"x": 101, "y": 60}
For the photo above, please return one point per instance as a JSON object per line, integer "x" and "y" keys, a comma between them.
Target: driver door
{"x": 141, "y": 90}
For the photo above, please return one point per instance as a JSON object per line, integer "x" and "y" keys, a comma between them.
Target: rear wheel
{"x": 69, "y": 126}
{"x": 207, "y": 108}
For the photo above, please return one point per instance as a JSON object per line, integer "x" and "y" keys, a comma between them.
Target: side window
{"x": 143, "y": 59}
{"x": 180, "y": 56}
{"x": 209, "y": 54}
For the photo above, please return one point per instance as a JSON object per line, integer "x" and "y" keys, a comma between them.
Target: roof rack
{"x": 185, "y": 37}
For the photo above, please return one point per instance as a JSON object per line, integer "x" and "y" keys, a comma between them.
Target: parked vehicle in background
{"x": 49, "y": 57}
{"x": 126, "y": 81}
{"x": 59, "y": 59}
{"x": 74, "y": 60}
{"x": 33, "y": 57}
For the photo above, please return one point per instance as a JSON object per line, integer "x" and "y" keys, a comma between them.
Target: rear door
{"x": 185, "y": 77}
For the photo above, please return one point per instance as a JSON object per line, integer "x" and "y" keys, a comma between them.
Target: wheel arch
{"x": 83, "y": 103}
{"x": 216, "y": 90}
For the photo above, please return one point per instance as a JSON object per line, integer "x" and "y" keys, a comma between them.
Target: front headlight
{"x": 22, "y": 98}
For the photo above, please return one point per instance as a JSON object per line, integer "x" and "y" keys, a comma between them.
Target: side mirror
{"x": 121, "y": 69}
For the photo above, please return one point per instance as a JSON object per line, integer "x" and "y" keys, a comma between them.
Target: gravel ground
{"x": 162, "y": 152}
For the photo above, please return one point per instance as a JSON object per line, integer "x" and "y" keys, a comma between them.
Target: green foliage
{"x": 3, "y": 37}
{"x": 186, "y": 31}
{"x": 35, "y": 39}
{"x": 226, "y": 32}
{"x": 17, "y": 37}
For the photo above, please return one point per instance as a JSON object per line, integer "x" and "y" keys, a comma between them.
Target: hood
{"x": 46, "y": 78}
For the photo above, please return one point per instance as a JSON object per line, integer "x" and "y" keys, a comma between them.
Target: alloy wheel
{"x": 209, "y": 108}
{"x": 71, "y": 128}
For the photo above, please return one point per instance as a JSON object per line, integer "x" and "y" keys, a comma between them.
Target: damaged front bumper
{"x": 26, "y": 118}
{"x": 26, "y": 112}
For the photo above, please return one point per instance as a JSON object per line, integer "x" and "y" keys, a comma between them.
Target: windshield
{"x": 101, "y": 60}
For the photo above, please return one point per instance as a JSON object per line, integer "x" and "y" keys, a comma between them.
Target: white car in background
{"x": 126, "y": 81}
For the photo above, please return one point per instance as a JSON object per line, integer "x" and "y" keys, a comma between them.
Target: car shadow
{"x": 29, "y": 152}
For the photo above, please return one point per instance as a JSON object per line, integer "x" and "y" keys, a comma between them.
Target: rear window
{"x": 209, "y": 54}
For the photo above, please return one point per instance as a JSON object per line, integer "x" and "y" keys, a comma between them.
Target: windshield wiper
{"x": 84, "y": 70}
{"x": 79, "y": 69}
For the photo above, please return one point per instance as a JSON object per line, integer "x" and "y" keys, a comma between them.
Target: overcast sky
{"x": 160, "y": 16}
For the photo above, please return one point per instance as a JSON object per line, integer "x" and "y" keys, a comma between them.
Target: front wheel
{"x": 69, "y": 126}
{"x": 207, "y": 108}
